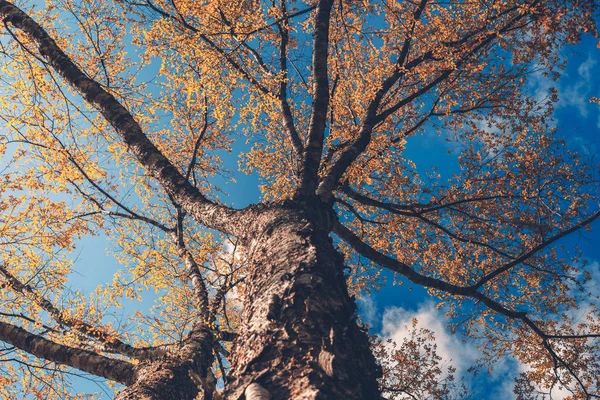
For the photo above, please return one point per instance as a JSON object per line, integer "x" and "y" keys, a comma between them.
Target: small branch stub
{"x": 256, "y": 392}
{"x": 326, "y": 362}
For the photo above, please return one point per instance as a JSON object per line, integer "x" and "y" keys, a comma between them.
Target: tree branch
{"x": 90, "y": 362}
{"x": 233, "y": 63}
{"x": 396, "y": 266}
{"x": 212, "y": 215}
{"x": 108, "y": 340}
{"x": 200, "y": 291}
{"x": 373, "y": 118}
{"x": 288, "y": 119}
{"x": 535, "y": 249}
{"x": 320, "y": 100}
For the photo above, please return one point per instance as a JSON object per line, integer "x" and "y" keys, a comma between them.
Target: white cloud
{"x": 367, "y": 309}
{"x": 505, "y": 373}
{"x": 573, "y": 91}
{"x": 540, "y": 84}
{"x": 397, "y": 323}
{"x": 584, "y": 70}
{"x": 591, "y": 294}
{"x": 578, "y": 93}
{"x": 594, "y": 284}
{"x": 585, "y": 146}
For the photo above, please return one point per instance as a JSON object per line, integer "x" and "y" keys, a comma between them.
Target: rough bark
{"x": 161, "y": 380}
{"x": 299, "y": 338}
{"x": 180, "y": 375}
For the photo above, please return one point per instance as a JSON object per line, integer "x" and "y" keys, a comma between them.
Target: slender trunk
{"x": 299, "y": 338}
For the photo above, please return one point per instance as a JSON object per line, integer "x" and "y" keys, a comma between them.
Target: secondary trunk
{"x": 299, "y": 338}
{"x": 180, "y": 374}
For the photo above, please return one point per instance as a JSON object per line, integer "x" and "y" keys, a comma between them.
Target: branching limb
{"x": 128, "y": 214}
{"x": 467, "y": 291}
{"x": 351, "y": 153}
{"x": 199, "y": 207}
{"x": 405, "y": 270}
{"x": 200, "y": 291}
{"x": 535, "y": 249}
{"x": 194, "y": 160}
{"x": 286, "y": 111}
{"x": 90, "y": 362}
{"x": 373, "y": 116}
{"x": 320, "y": 100}
{"x": 412, "y": 209}
{"x": 108, "y": 340}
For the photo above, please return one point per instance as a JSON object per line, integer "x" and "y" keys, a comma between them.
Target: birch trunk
{"x": 299, "y": 338}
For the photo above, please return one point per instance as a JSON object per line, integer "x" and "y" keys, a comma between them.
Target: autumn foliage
{"x": 127, "y": 120}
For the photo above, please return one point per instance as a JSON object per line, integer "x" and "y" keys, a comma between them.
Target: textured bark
{"x": 161, "y": 380}
{"x": 180, "y": 375}
{"x": 299, "y": 338}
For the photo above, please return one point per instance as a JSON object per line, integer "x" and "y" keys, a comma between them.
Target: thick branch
{"x": 396, "y": 266}
{"x": 347, "y": 157}
{"x": 373, "y": 118}
{"x": 199, "y": 207}
{"x": 95, "y": 364}
{"x": 412, "y": 210}
{"x": 418, "y": 213}
{"x": 320, "y": 99}
{"x": 467, "y": 291}
{"x": 200, "y": 291}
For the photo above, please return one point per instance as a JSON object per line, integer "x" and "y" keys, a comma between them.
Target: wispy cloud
{"x": 397, "y": 323}
{"x": 367, "y": 310}
{"x": 573, "y": 91}
{"x": 499, "y": 384}
{"x": 578, "y": 91}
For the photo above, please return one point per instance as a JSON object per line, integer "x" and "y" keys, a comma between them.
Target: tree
{"x": 326, "y": 93}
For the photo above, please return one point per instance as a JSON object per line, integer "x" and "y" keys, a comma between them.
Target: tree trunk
{"x": 299, "y": 338}
{"x": 179, "y": 375}
{"x": 161, "y": 380}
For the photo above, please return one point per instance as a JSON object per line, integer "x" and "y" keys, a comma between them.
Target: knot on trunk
{"x": 256, "y": 392}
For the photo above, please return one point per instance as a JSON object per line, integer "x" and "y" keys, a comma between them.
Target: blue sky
{"x": 390, "y": 310}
